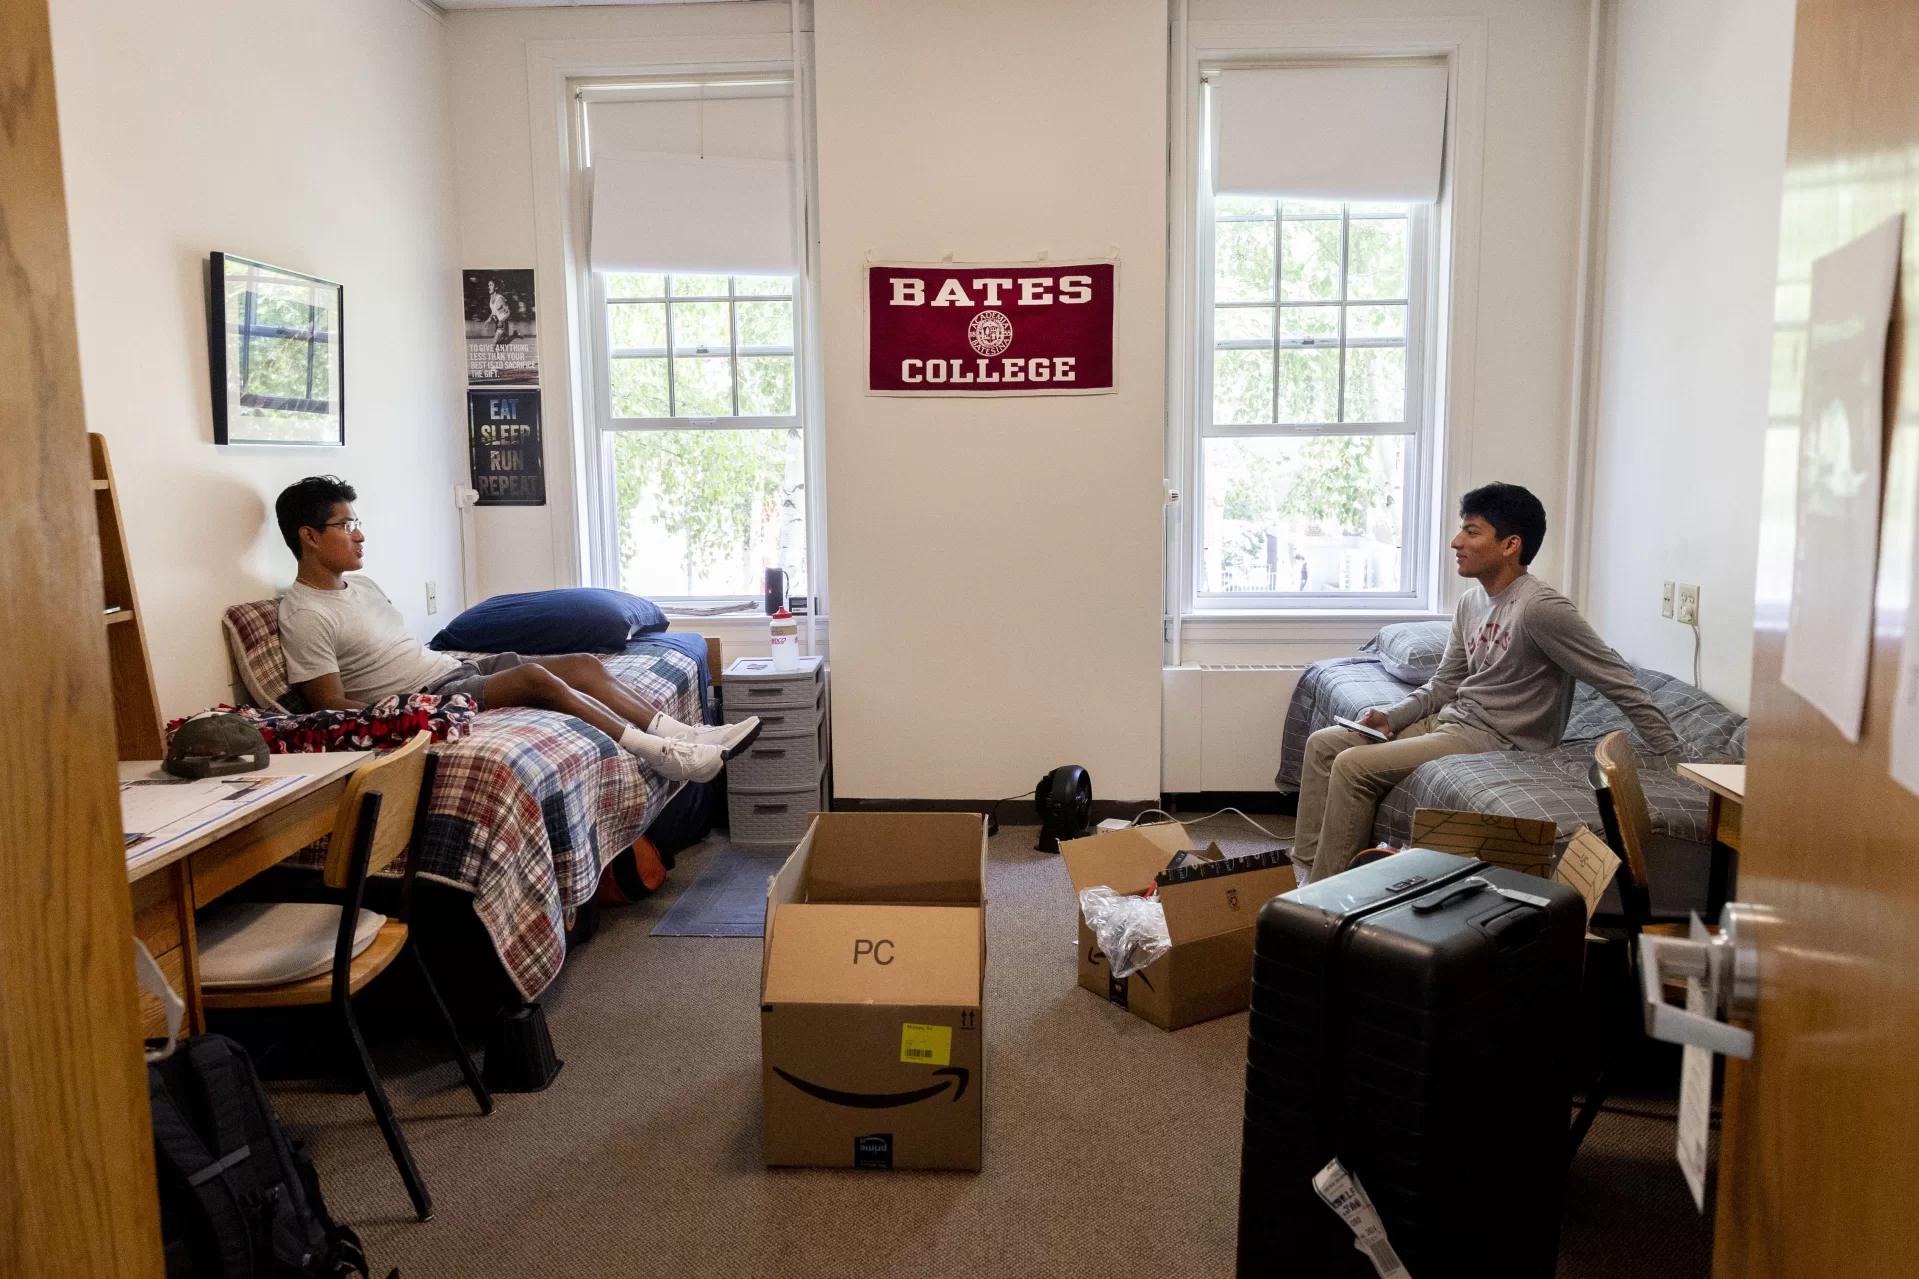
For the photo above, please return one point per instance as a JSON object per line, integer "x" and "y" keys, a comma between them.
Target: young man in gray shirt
{"x": 1505, "y": 683}
{"x": 347, "y": 646}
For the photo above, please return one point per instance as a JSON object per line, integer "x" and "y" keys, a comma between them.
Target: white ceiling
{"x": 551, "y": 4}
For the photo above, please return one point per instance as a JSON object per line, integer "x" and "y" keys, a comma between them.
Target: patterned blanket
{"x": 529, "y": 805}
{"x": 1553, "y": 785}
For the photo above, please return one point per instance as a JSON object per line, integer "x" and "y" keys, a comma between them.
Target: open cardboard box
{"x": 1209, "y": 971}
{"x": 871, "y": 1039}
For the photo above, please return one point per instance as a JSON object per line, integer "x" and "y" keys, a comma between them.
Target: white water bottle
{"x": 785, "y": 641}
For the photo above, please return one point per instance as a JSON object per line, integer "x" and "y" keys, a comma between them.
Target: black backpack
{"x": 238, "y": 1198}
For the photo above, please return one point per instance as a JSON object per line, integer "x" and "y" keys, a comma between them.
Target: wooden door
{"x": 76, "y": 1156}
{"x": 1820, "y": 1157}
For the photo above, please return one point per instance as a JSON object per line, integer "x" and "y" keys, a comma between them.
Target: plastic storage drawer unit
{"x": 775, "y": 785}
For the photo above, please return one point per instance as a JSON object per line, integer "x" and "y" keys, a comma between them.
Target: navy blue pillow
{"x": 584, "y": 619}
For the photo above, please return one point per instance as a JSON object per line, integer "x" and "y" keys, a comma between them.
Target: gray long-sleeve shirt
{"x": 1509, "y": 670}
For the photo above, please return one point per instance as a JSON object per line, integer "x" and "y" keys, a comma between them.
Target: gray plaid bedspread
{"x": 1553, "y": 785}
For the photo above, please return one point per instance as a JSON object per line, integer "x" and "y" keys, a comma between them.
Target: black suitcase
{"x": 1411, "y": 1017}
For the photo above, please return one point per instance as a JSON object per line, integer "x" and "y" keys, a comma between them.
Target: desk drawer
{"x": 153, "y": 1017}
{"x": 1727, "y": 832}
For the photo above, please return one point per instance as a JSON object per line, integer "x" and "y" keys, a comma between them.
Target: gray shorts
{"x": 470, "y": 677}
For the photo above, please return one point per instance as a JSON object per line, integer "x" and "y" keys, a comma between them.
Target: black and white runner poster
{"x": 500, "y": 332}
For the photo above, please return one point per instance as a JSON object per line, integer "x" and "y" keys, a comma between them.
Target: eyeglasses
{"x": 351, "y": 526}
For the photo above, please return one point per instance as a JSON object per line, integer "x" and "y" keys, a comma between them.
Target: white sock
{"x": 665, "y": 725}
{"x": 634, "y": 742}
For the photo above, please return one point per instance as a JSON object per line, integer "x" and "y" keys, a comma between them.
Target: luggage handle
{"x": 1447, "y": 896}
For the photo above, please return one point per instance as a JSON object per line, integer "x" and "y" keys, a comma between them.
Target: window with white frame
{"x": 701, "y": 460}
{"x": 1306, "y": 452}
{"x": 1314, "y": 428}
{"x": 703, "y": 449}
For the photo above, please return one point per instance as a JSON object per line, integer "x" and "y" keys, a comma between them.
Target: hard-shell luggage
{"x": 1410, "y": 1017}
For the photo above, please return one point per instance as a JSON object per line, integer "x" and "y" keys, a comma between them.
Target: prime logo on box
{"x": 1034, "y": 328}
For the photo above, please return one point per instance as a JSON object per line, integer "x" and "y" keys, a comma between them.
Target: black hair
{"x": 1511, "y": 510}
{"x": 309, "y": 504}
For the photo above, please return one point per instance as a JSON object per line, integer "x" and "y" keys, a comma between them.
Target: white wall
{"x": 311, "y": 137}
{"x": 529, "y": 548}
{"x": 995, "y": 563}
{"x": 1696, "y": 170}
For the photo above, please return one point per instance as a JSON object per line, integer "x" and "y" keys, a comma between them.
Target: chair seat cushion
{"x": 271, "y": 943}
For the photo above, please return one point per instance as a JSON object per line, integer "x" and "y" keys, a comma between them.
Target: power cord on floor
{"x": 1193, "y": 821}
{"x": 992, "y": 814}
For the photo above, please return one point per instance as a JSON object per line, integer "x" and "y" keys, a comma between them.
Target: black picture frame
{"x": 276, "y": 354}
{"x": 505, "y": 447}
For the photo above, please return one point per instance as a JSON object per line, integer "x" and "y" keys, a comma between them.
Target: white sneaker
{"x": 730, "y": 738}
{"x": 679, "y": 760}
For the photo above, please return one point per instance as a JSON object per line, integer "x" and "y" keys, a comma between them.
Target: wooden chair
{"x": 381, "y": 814}
{"x": 1643, "y": 856}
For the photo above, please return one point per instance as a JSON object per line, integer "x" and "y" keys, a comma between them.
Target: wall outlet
{"x": 432, "y": 598}
{"x": 1688, "y": 604}
{"x": 1665, "y": 601}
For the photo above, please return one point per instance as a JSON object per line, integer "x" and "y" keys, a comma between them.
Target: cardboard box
{"x": 1524, "y": 844}
{"x": 871, "y": 1034}
{"x": 1209, "y": 971}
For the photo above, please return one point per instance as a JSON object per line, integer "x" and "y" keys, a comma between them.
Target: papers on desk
{"x": 160, "y": 811}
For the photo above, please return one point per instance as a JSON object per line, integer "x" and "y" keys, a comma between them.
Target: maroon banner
{"x": 1030, "y": 329}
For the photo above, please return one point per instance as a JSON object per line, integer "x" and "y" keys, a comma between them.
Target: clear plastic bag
{"x": 1131, "y": 931}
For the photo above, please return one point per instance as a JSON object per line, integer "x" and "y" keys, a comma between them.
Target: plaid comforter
{"x": 527, "y": 808}
{"x": 1553, "y": 785}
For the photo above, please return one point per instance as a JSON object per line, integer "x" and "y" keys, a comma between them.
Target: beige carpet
{"x": 1112, "y": 1148}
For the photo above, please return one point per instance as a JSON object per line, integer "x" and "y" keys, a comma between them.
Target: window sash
{"x": 608, "y": 428}
{"x": 1417, "y": 424}
{"x": 674, "y": 351}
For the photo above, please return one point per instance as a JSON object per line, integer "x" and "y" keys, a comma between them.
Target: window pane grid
{"x": 702, "y": 453}
{"x": 1311, "y": 331}
{"x": 692, "y": 310}
{"x": 1296, "y": 295}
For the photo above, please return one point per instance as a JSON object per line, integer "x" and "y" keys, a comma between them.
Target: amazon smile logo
{"x": 882, "y": 1100}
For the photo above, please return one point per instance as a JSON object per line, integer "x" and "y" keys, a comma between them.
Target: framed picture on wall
{"x": 500, "y": 346}
{"x": 274, "y": 340}
{"x": 503, "y": 436}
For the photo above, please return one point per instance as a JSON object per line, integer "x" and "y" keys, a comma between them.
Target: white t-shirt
{"x": 358, "y": 633}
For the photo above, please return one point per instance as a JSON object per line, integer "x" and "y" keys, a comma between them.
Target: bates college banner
{"x": 1035, "y": 328}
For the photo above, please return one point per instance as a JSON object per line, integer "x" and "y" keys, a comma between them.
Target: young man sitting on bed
{"x": 1505, "y": 683}
{"x": 347, "y": 647}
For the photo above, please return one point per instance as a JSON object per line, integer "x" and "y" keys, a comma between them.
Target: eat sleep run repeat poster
{"x": 1031, "y": 328}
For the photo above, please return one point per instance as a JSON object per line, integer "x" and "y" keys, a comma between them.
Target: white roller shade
{"x": 695, "y": 180}
{"x": 1364, "y": 133}
{"x": 654, "y": 211}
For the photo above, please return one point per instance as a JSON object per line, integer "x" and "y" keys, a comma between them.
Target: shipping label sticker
{"x": 926, "y": 1045}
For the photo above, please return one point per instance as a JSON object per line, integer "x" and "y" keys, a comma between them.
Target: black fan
{"x": 1064, "y": 798}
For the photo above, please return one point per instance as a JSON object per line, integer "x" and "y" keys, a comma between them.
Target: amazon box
{"x": 1209, "y": 971}
{"x": 871, "y": 1036}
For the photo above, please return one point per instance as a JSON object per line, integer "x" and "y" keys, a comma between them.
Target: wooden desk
{"x": 180, "y": 874}
{"x": 1725, "y": 806}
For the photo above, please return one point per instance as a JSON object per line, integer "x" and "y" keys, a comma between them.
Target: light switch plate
{"x": 1665, "y": 601}
{"x": 1688, "y": 611}
{"x": 432, "y": 598}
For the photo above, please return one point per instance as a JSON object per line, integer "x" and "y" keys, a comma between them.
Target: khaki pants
{"x": 1346, "y": 774}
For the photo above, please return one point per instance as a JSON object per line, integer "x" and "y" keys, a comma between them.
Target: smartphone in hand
{"x": 1358, "y": 727}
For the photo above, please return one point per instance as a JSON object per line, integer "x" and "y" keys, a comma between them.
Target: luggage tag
{"x": 1345, "y": 1196}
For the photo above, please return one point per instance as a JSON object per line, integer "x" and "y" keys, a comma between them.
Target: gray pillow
{"x": 1410, "y": 651}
